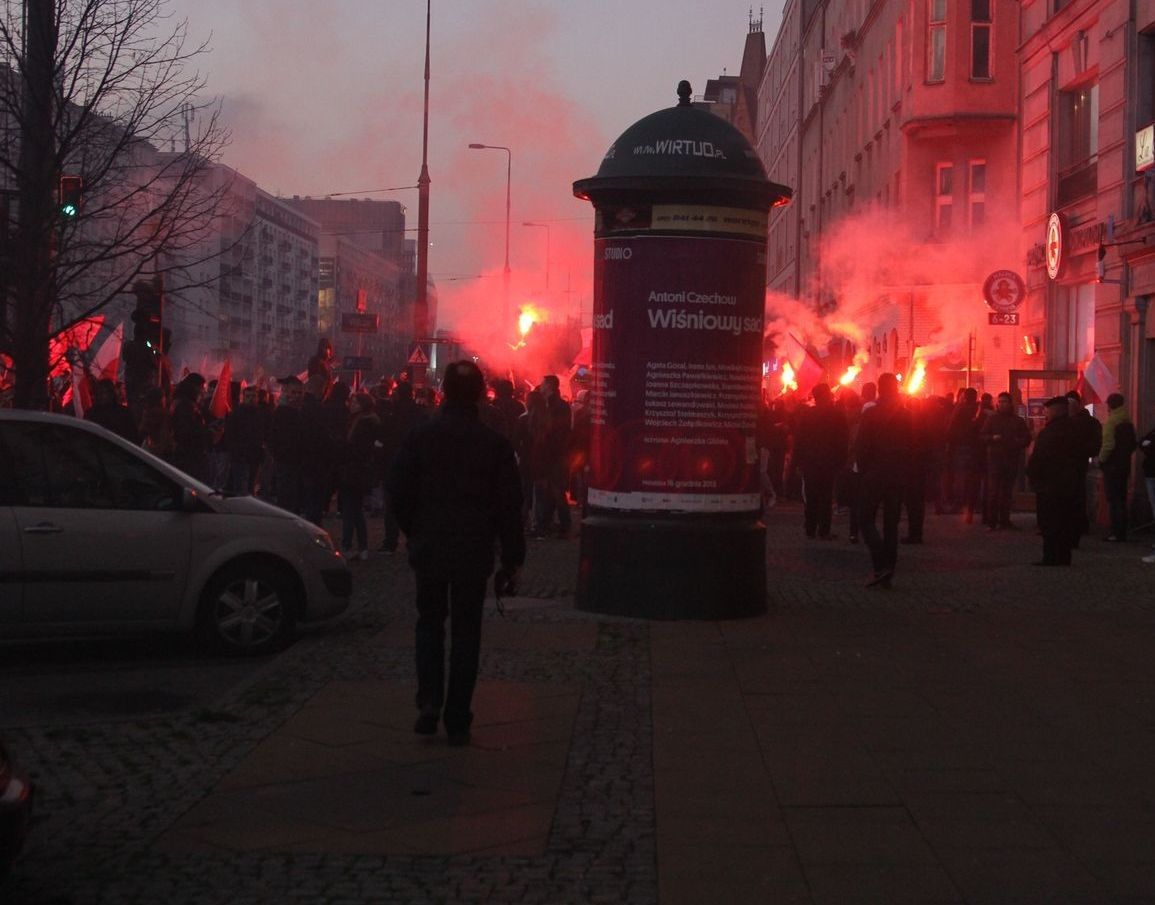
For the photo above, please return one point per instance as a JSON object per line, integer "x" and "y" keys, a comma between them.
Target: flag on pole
{"x": 106, "y": 362}
{"x": 221, "y": 403}
{"x": 1098, "y": 378}
{"x": 808, "y": 371}
{"x": 80, "y": 390}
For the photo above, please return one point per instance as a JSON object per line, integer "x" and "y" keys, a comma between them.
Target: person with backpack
{"x": 1119, "y": 444}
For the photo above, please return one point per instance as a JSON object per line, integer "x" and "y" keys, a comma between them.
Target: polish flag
{"x": 808, "y": 371}
{"x": 81, "y": 390}
{"x": 221, "y": 404}
{"x": 106, "y": 363}
{"x": 1098, "y": 378}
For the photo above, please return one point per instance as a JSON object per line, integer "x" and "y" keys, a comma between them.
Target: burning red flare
{"x": 917, "y": 378}
{"x": 528, "y": 316}
{"x": 789, "y": 381}
{"x": 850, "y": 376}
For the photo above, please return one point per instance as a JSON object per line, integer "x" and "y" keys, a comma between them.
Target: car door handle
{"x": 44, "y": 528}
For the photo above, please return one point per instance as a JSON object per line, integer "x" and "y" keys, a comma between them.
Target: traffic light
{"x": 71, "y": 191}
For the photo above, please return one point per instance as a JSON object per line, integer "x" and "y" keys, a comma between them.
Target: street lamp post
{"x": 421, "y": 307}
{"x": 544, "y": 226}
{"x": 475, "y": 146}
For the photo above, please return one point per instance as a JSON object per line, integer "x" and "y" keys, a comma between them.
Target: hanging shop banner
{"x": 677, "y": 352}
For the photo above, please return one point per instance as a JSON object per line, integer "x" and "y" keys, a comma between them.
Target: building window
{"x": 977, "y": 193}
{"x": 980, "y": 39}
{"x": 936, "y": 41}
{"x": 943, "y": 196}
{"x": 1077, "y": 143}
{"x": 1075, "y": 325}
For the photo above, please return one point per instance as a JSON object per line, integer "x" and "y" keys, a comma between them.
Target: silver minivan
{"x": 98, "y": 535}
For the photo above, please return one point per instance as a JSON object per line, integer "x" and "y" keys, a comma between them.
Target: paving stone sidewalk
{"x": 984, "y": 732}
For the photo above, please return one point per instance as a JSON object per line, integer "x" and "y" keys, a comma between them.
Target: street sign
{"x": 358, "y": 322}
{"x": 1003, "y": 318}
{"x": 1004, "y": 291}
{"x": 418, "y": 356}
{"x": 357, "y": 363}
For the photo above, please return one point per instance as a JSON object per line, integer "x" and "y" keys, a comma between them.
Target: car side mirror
{"x": 190, "y": 500}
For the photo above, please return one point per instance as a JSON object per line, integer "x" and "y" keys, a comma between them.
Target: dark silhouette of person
{"x": 1005, "y": 435}
{"x": 883, "y": 455}
{"x": 963, "y": 451}
{"x": 1089, "y": 440}
{"x": 820, "y": 449}
{"x": 1119, "y": 444}
{"x": 190, "y": 433}
{"x": 1054, "y": 472}
{"x": 401, "y": 416}
{"x": 455, "y": 491}
{"x": 923, "y": 443}
{"x": 107, "y": 411}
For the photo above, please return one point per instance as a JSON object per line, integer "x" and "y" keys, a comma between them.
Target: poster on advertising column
{"x": 677, "y": 349}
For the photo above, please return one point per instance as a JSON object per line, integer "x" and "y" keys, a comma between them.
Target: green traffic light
{"x": 69, "y": 210}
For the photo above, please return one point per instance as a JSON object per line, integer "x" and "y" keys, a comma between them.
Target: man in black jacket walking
{"x": 455, "y": 490}
{"x": 885, "y": 441}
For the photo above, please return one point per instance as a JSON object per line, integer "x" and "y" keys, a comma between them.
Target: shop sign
{"x": 1054, "y": 245}
{"x": 1145, "y": 148}
{"x": 1004, "y": 291}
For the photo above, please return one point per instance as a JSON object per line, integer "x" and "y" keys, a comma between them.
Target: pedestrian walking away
{"x": 456, "y": 491}
{"x": 820, "y": 449}
{"x": 883, "y": 455}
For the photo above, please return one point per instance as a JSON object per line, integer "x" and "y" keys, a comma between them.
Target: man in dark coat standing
{"x": 885, "y": 443}
{"x": 455, "y": 490}
{"x": 820, "y": 449}
{"x": 1053, "y": 469}
{"x": 1088, "y": 434}
{"x": 1005, "y": 436}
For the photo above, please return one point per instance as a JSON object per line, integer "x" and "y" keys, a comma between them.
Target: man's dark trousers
{"x": 819, "y": 489}
{"x": 1000, "y": 493}
{"x": 1115, "y": 482}
{"x": 915, "y": 498}
{"x": 462, "y": 600}
{"x": 887, "y": 496}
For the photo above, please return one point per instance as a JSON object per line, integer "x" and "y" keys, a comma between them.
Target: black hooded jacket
{"x": 455, "y": 490}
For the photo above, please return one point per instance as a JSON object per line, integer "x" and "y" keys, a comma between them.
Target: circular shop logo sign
{"x": 1054, "y": 248}
{"x": 1004, "y": 291}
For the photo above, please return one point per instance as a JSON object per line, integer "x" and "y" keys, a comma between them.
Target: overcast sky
{"x": 325, "y": 98}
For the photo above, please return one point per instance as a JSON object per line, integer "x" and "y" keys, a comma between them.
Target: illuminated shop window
{"x": 977, "y": 193}
{"x": 980, "y": 39}
{"x": 943, "y": 196}
{"x": 936, "y": 41}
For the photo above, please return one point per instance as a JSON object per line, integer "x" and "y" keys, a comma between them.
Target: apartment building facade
{"x": 903, "y": 143}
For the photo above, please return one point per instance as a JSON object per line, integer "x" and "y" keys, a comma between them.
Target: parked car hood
{"x": 247, "y": 505}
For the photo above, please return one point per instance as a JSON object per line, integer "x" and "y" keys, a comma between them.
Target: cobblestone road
{"x": 109, "y": 789}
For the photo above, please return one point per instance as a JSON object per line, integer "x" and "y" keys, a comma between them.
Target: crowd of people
{"x": 880, "y": 456}
{"x": 315, "y": 442}
{"x": 883, "y": 452}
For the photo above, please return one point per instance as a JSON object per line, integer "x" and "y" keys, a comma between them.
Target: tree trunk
{"x": 34, "y": 278}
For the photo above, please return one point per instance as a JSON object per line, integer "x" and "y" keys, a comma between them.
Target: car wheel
{"x": 248, "y": 609}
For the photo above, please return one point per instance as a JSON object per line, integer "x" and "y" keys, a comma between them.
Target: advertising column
{"x": 678, "y": 322}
